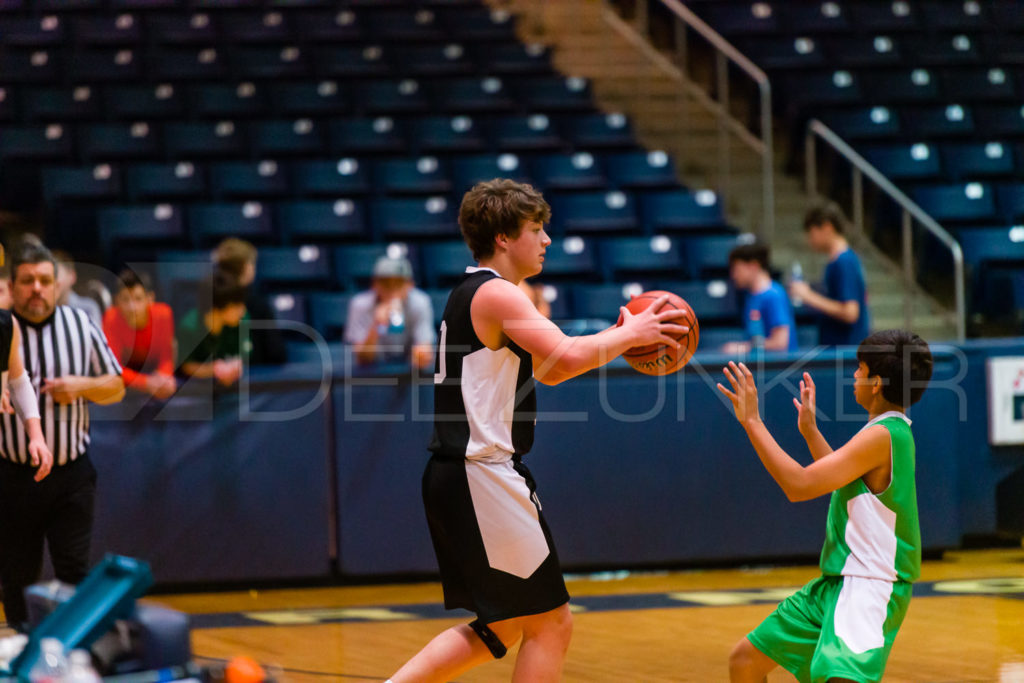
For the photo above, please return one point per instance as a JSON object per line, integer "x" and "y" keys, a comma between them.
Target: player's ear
{"x": 501, "y": 239}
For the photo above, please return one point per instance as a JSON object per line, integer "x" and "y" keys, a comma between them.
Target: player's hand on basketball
{"x": 40, "y": 457}
{"x": 654, "y": 328}
{"x": 806, "y": 406}
{"x": 743, "y": 394}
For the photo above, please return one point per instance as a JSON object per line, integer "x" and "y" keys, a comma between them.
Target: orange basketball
{"x": 243, "y": 669}
{"x": 658, "y": 359}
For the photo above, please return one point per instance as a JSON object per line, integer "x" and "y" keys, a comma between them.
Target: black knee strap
{"x": 490, "y": 638}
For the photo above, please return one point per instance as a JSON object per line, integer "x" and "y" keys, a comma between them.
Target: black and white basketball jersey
{"x": 485, "y": 401}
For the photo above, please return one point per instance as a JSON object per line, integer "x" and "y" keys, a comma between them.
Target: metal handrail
{"x": 725, "y": 50}
{"x": 910, "y": 211}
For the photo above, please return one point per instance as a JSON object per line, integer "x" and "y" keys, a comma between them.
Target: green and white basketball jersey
{"x": 877, "y": 536}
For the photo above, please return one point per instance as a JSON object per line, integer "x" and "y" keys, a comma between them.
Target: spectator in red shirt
{"x": 141, "y": 334}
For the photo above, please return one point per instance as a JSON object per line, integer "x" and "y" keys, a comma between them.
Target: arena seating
{"x": 326, "y": 132}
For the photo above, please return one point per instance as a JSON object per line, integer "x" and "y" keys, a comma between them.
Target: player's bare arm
{"x": 501, "y": 311}
{"x": 39, "y": 453}
{"x": 844, "y": 311}
{"x": 866, "y": 455}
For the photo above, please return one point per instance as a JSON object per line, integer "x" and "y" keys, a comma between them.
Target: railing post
{"x": 908, "y": 270}
{"x": 810, "y": 164}
{"x": 767, "y": 164}
{"x": 722, "y": 75}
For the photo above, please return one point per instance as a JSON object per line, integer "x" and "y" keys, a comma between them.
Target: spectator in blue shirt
{"x": 843, "y": 305}
{"x": 767, "y": 315}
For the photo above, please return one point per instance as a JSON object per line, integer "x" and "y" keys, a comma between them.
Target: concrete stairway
{"x": 628, "y": 75}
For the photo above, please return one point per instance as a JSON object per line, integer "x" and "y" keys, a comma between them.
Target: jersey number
{"x": 439, "y": 376}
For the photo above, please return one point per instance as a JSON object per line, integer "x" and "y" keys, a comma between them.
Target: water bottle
{"x": 51, "y": 667}
{"x": 796, "y": 274}
{"x": 80, "y": 668}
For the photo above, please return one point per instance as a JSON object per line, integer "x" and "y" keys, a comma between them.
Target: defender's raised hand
{"x": 743, "y": 394}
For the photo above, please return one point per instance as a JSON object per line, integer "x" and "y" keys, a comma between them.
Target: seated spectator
{"x": 393, "y": 322}
{"x": 140, "y": 332}
{"x": 209, "y": 339}
{"x": 67, "y": 276}
{"x": 768, "y": 314}
{"x": 239, "y": 259}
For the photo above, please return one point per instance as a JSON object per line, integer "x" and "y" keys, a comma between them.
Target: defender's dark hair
{"x": 903, "y": 361}
{"x": 220, "y": 291}
{"x": 32, "y": 252}
{"x": 750, "y": 252}
{"x": 825, "y": 213}
{"x": 129, "y": 279}
{"x": 498, "y": 207}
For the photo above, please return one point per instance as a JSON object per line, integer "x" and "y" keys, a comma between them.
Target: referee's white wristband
{"x": 23, "y": 397}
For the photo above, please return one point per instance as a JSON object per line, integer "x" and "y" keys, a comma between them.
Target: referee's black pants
{"x": 57, "y": 510}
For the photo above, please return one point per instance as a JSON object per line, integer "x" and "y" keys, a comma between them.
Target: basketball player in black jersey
{"x": 494, "y": 549}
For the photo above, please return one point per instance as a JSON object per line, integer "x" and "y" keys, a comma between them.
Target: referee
{"x": 69, "y": 363}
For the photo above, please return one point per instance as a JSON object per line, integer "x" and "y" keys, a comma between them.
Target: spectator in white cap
{"x": 393, "y": 321}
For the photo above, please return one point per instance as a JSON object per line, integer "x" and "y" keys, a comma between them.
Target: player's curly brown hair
{"x": 498, "y": 207}
{"x": 903, "y": 361}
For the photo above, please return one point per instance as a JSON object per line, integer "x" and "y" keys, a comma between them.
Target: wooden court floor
{"x": 966, "y": 623}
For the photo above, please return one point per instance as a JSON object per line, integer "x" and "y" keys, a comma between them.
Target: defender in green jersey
{"x": 841, "y": 626}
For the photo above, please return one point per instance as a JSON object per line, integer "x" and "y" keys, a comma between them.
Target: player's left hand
{"x": 743, "y": 394}
{"x": 64, "y": 390}
{"x": 806, "y": 405}
{"x": 41, "y": 457}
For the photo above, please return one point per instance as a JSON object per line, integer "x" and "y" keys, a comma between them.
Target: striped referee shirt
{"x": 66, "y": 343}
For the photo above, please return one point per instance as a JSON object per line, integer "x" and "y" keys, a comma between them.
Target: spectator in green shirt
{"x": 210, "y": 343}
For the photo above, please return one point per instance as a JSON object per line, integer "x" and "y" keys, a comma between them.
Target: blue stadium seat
{"x": 306, "y": 266}
{"x": 91, "y": 65}
{"x": 333, "y": 26}
{"x": 953, "y": 15}
{"x": 982, "y": 245}
{"x": 579, "y": 171}
{"x": 144, "y": 102}
{"x": 310, "y": 98}
{"x": 33, "y": 31}
{"x": 406, "y": 25}
{"x": 189, "y": 140}
{"x": 354, "y": 136}
{"x": 830, "y": 87}
{"x": 438, "y": 300}
{"x": 554, "y": 93}
{"x": 1010, "y": 200}
{"x": 51, "y": 141}
{"x": 328, "y": 312}
{"x": 248, "y": 180}
{"x": 431, "y": 217}
{"x": 256, "y": 27}
{"x": 513, "y": 57}
{"x": 606, "y": 131}
{"x": 121, "y": 29}
{"x": 867, "y": 50}
{"x": 679, "y": 210}
{"x": 8, "y": 104}
{"x": 708, "y": 256}
{"x": 155, "y": 224}
{"x": 468, "y": 171}
{"x": 29, "y": 65}
{"x": 99, "y": 182}
{"x": 179, "y": 28}
{"x": 446, "y": 134}
{"x": 1006, "y": 14}
{"x": 962, "y": 202}
{"x": 864, "y": 123}
{"x": 165, "y": 181}
{"x": 980, "y": 83}
{"x": 559, "y": 297}
{"x": 602, "y": 302}
{"x": 80, "y": 103}
{"x": 302, "y": 137}
{"x": 347, "y": 176}
{"x": 480, "y": 23}
{"x": 573, "y": 259}
{"x": 353, "y": 263}
{"x": 445, "y": 262}
{"x": 945, "y": 50}
{"x": 480, "y": 94}
{"x": 642, "y": 257}
{"x": 816, "y": 18}
{"x": 210, "y": 223}
{"x": 790, "y": 52}
{"x": 743, "y": 18}
{"x": 885, "y": 16}
{"x": 901, "y": 161}
{"x": 392, "y": 96}
{"x": 641, "y": 170}
{"x": 943, "y": 120}
{"x": 892, "y": 86}
{"x": 270, "y": 62}
{"x": 524, "y": 132}
{"x": 290, "y": 306}
{"x": 435, "y": 59}
{"x": 321, "y": 220}
{"x": 119, "y": 141}
{"x": 228, "y": 101}
{"x": 974, "y": 160}
{"x": 593, "y": 212}
{"x": 174, "y": 63}
{"x": 1001, "y": 120}
{"x": 715, "y": 302}
{"x": 425, "y": 175}
{"x": 351, "y": 61}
